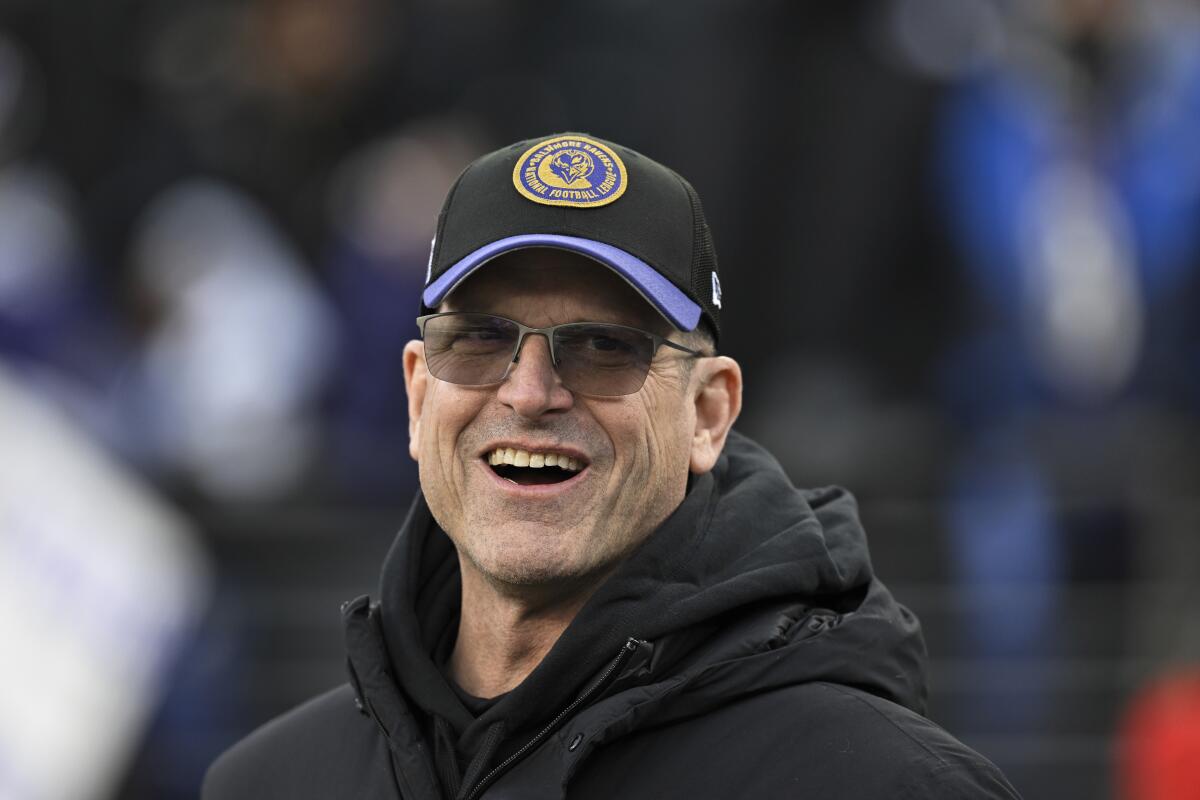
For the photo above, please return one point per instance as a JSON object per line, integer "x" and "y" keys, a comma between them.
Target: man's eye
{"x": 481, "y": 335}
{"x": 603, "y": 348}
{"x": 476, "y": 339}
{"x": 608, "y": 344}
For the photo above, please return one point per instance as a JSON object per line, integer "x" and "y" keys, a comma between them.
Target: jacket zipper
{"x": 629, "y": 647}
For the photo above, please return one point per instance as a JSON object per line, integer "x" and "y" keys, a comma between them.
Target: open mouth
{"x": 532, "y": 469}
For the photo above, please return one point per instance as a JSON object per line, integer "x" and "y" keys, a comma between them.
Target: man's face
{"x": 633, "y": 451}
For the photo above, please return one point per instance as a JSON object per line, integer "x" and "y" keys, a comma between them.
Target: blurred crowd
{"x": 960, "y": 243}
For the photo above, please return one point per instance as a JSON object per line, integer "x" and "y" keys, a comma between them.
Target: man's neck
{"x": 504, "y": 635}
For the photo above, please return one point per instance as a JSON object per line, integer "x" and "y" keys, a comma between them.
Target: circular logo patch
{"x": 570, "y": 171}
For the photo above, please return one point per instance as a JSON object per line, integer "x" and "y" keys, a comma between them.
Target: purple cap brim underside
{"x": 672, "y": 303}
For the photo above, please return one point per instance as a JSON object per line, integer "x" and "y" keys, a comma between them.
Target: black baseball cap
{"x": 579, "y": 193}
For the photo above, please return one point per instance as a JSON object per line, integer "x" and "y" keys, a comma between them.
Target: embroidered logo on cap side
{"x": 570, "y": 171}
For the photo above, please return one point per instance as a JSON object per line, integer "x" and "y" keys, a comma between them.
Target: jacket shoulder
{"x": 915, "y": 755}
{"x": 323, "y": 748}
{"x": 830, "y": 740}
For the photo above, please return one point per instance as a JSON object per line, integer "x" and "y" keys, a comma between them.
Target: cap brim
{"x": 680, "y": 310}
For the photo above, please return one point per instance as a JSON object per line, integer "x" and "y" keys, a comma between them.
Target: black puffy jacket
{"x": 744, "y": 650}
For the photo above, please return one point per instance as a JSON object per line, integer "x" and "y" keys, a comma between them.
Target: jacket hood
{"x": 749, "y": 584}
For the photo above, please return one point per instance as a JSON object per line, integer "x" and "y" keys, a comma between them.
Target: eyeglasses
{"x": 593, "y": 358}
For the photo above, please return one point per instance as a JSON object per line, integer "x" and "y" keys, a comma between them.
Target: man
{"x": 601, "y": 589}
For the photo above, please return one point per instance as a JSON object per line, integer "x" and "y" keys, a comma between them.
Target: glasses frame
{"x": 525, "y": 330}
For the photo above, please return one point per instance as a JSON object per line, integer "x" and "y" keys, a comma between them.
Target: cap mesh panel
{"x": 704, "y": 261}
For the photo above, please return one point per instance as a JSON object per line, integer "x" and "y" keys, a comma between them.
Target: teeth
{"x": 523, "y": 458}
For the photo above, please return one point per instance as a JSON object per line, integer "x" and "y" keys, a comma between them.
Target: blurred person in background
{"x": 1071, "y": 186}
{"x": 101, "y": 586}
{"x": 600, "y": 587}
{"x": 58, "y": 329}
{"x": 383, "y": 198}
{"x": 238, "y": 351}
{"x": 272, "y": 94}
{"x": 1159, "y": 745}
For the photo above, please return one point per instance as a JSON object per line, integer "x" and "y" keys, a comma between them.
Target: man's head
{"x": 599, "y": 456}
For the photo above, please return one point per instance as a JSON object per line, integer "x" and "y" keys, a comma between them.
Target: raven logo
{"x": 571, "y": 166}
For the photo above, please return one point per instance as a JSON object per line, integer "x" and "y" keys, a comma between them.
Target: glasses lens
{"x": 605, "y": 360}
{"x": 469, "y": 349}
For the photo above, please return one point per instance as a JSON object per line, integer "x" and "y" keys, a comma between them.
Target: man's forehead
{"x": 547, "y": 271}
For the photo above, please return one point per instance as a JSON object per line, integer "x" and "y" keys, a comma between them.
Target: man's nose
{"x": 532, "y": 387}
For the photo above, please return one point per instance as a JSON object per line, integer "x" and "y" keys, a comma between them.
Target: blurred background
{"x": 960, "y": 243}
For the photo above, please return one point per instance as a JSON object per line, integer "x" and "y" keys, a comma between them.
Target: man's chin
{"x": 533, "y": 571}
{"x": 541, "y": 564}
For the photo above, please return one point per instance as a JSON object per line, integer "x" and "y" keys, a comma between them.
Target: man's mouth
{"x": 533, "y": 468}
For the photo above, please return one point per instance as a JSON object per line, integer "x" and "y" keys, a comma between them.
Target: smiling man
{"x": 601, "y": 589}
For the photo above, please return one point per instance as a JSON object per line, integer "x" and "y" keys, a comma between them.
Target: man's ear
{"x": 717, "y": 388}
{"x": 416, "y": 383}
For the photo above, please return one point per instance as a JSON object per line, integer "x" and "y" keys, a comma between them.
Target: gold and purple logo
{"x": 570, "y": 171}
